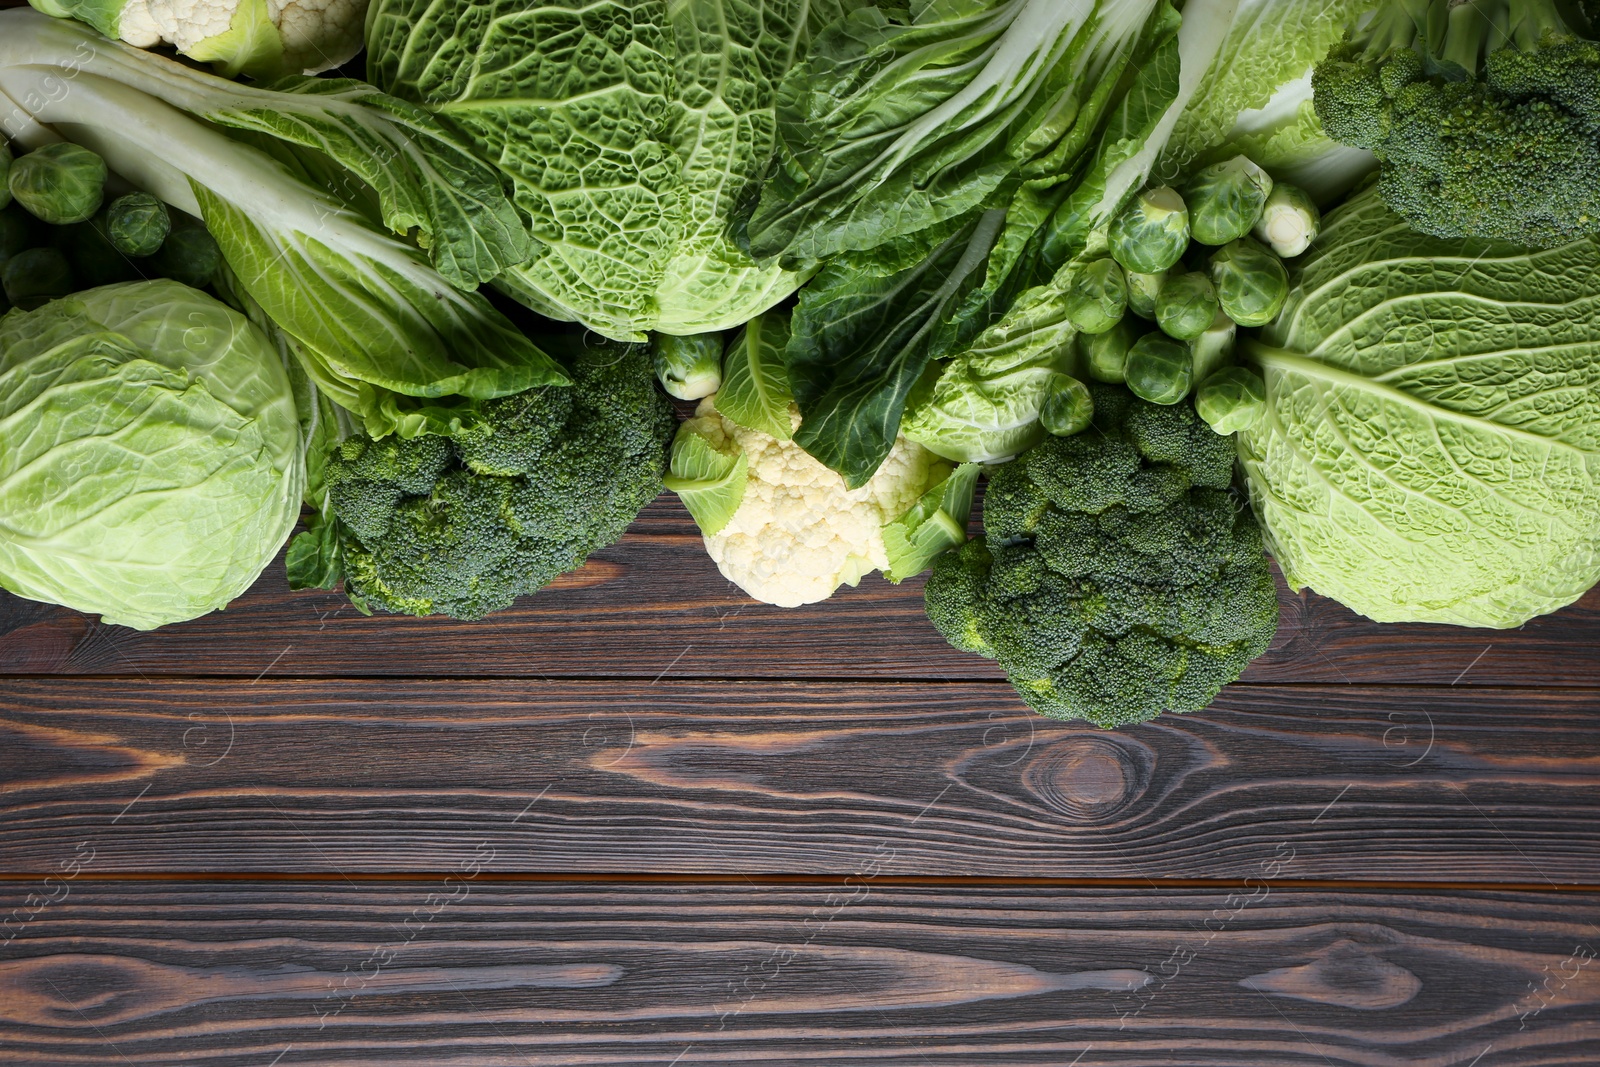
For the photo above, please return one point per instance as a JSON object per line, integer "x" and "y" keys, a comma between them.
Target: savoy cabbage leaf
{"x": 1431, "y": 450}
{"x": 632, "y": 131}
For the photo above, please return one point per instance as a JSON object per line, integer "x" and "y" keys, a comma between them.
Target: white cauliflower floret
{"x": 799, "y": 533}
{"x": 240, "y": 36}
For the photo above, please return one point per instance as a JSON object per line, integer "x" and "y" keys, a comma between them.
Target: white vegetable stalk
{"x": 1205, "y": 27}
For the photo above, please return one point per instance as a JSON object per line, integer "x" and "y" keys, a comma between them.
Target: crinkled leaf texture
{"x": 152, "y": 461}
{"x": 631, "y": 129}
{"x": 1431, "y": 450}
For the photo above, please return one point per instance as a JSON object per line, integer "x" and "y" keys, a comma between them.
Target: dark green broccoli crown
{"x": 1485, "y": 116}
{"x": 1120, "y": 575}
{"x": 463, "y": 526}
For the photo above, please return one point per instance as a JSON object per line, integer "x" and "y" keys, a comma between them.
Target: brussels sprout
{"x": 1097, "y": 296}
{"x": 690, "y": 367}
{"x": 5, "y": 173}
{"x": 1251, "y": 282}
{"x": 1226, "y": 199}
{"x": 1107, "y": 353}
{"x": 189, "y": 255}
{"x": 1142, "y": 292}
{"x": 95, "y": 260}
{"x": 1213, "y": 350}
{"x": 1068, "y": 409}
{"x": 1152, "y": 232}
{"x": 1186, "y": 306}
{"x": 1231, "y": 400}
{"x": 1159, "y": 369}
{"x": 1289, "y": 222}
{"x": 59, "y": 183}
{"x": 16, "y": 231}
{"x": 137, "y": 224}
{"x": 36, "y": 276}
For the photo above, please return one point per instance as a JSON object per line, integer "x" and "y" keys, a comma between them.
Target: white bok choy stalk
{"x": 424, "y": 176}
{"x": 380, "y": 329}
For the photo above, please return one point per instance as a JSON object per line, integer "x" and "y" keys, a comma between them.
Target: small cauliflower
{"x": 787, "y": 530}
{"x": 261, "y": 38}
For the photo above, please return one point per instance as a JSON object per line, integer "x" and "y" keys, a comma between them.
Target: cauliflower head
{"x": 798, "y": 532}
{"x": 262, "y": 38}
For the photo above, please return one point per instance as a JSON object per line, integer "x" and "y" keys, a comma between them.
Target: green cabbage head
{"x": 1431, "y": 445}
{"x": 149, "y": 453}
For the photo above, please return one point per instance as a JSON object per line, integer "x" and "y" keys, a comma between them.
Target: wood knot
{"x": 1089, "y": 778}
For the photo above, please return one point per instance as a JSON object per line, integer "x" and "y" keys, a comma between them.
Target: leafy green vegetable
{"x": 1231, "y": 400}
{"x": 1186, "y": 306}
{"x": 896, "y": 120}
{"x": 1251, "y": 282}
{"x": 1485, "y": 116}
{"x": 150, "y": 466}
{"x": 1096, "y": 295}
{"x": 1431, "y": 447}
{"x": 985, "y": 401}
{"x": 1143, "y": 292}
{"x": 631, "y": 129}
{"x": 1289, "y": 221}
{"x": 1256, "y": 99}
{"x": 755, "y": 380}
{"x": 424, "y": 176}
{"x": 1152, "y": 233}
{"x": 58, "y": 183}
{"x": 137, "y": 224}
{"x": 1106, "y": 355}
{"x": 934, "y": 525}
{"x": 462, "y": 526}
{"x": 36, "y": 276}
{"x": 1226, "y": 200}
{"x": 862, "y": 340}
{"x": 381, "y": 330}
{"x": 1069, "y": 408}
{"x": 688, "y": 367}
{"x": 5, "y": 173}
{"x": 709, "y": 477}
{"x": 1213, "y": 350}
{"x": 1159, "y": 369}
{"x": 1118, "y": 577}
{"x": 189, "y": 255}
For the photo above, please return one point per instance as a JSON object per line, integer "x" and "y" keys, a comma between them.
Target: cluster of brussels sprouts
{"x": 1191, "y": 267}
{"x": 58, "y": 236}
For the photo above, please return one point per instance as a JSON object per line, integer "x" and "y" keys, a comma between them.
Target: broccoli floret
{"x": 1484, "y": 115}
{"x": 462, "y": 526}
{"x": 1120, "y": 574}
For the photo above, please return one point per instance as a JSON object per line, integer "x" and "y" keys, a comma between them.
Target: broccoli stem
{"x": 1393, "y": 27}
{"x": 1467, "y": 31}
{"x": 1535, "y": 23}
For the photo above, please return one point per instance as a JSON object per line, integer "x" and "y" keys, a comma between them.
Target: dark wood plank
{"x": 656, "y": 600}
{"x": 461, "y": 971}
{"x": 1419, "y": 784}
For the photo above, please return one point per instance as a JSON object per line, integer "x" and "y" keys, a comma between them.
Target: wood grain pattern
{"x": 656, "y": 600}
{"x": 466, "y": 972}
{"x": 954, "y": 779}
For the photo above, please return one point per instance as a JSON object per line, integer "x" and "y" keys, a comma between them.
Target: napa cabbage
{"x": 298, "y": 197}
{"x": 1430, "y": 449}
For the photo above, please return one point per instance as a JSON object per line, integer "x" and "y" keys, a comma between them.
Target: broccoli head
{"x": 1485, "y": 115}
{"x": 463, "y": 525}
{"x": 1120, "y": 574}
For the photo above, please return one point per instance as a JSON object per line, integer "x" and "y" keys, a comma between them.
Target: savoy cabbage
{"x": 1431, "y": 448}
{"x": 632, "y": 130}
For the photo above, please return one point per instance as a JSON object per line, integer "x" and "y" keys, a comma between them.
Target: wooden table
{"x": 639, "y": 819}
